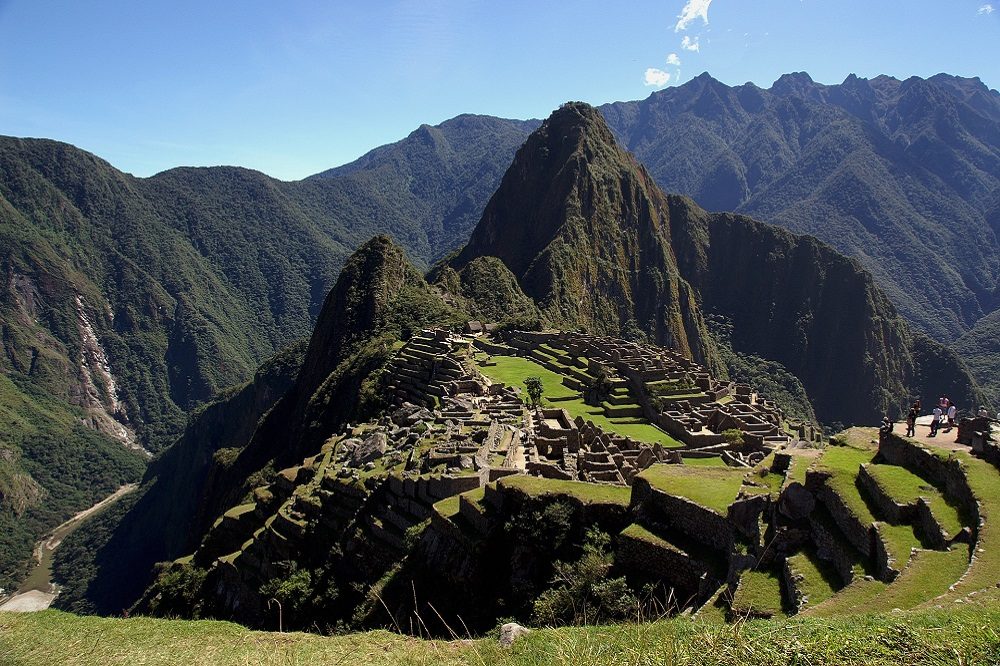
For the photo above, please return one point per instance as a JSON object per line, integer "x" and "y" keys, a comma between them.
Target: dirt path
{"x": 37, "y": 591}
{"x": 945, "y": 439}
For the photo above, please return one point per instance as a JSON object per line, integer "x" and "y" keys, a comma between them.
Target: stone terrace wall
{"x": 860, "y": 536}
{"x": 697, "y": 522}
{"x": 943, "y": 472}
{"x": 645, "y": 559}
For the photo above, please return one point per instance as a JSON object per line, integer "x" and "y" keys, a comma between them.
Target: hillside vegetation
{"x": 51, "y": 466}
{"x": 661, "y": 261}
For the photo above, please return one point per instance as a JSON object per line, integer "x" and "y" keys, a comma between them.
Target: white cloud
{"x": 656, "y": 77}
{"x": 986, "y": 9}
{"x": 672, "y": 59}
{"x": 689, "y": 44}
{"x": 692, "y": 9}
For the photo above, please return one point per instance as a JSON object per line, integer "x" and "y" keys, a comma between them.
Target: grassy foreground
{"x": 966, "y": 636}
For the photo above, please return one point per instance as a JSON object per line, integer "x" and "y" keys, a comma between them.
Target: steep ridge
{"x": 297, "y": 400}
{"x": 440, "y": 176}
{"x": 820, "y": 314}
{"x": 584, "y": 229}
{"x": 980, "y": 348}
{"x": 898, "y": 174}
{"x": 596, "y": 244}
{"x": 211, "y": 270}
{"x": 103, "y": 577}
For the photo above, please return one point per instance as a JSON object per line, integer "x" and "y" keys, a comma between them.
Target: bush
{"x": 293, "y": 590}
{"x": 581, "y": 591}
{"x": 733, "y": 436}
{"x": 548, "y": 529}
{"x": 535, "y": 390}
{"x": 178, "y": 591}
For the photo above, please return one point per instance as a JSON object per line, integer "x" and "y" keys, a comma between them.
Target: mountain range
{"x": 126, "y": 302}
{"x": 581, "y": 238}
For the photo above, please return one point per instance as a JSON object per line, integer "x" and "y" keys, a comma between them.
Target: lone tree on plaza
{"x": 534, "y": 386}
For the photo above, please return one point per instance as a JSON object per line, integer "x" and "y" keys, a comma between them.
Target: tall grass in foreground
{"x": 967, "y": 636}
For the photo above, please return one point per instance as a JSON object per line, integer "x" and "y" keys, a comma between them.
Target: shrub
{"x": 582, "y": 593}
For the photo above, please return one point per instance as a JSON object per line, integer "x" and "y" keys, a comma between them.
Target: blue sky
{"x": 292, "y": 88}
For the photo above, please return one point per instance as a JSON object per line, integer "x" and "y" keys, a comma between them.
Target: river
{"x": 37, "y": 592}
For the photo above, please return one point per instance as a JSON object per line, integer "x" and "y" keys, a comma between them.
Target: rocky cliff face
{"x": 585, "y": 230}
{"x": 821, "y": 315}
{"x": 174, "y": 504}
{"x": 372, "y": 279}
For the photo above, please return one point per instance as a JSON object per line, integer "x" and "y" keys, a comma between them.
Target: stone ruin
{"x": 452, "y": 419}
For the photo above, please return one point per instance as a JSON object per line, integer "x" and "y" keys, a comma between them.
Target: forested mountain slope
{"x": 125, "y": 302}
{"x": 899, "y": 174}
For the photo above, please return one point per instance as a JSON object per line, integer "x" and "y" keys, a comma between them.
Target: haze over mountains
{"x": 190, "y": 279}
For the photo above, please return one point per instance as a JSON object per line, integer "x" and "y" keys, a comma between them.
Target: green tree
{"x": 599, "y": 387}
{"x": 733, "y": 436}
{"x": 535, "y": 390}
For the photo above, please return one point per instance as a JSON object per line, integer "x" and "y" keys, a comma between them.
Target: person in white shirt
{"x": 936, "y": 421}
{"x": 952, "y": 412}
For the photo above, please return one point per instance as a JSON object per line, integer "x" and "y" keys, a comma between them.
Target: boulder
{"x": 402, "y": 416}
{"x": 348, "y": 446}
{"x": 796, "y": 503}
{"x": 371, "y": 449}
{"x": 645, "y": 458}
{"x": 510, "y": 632}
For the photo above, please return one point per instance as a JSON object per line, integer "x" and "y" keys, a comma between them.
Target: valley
{"x": 37, "y": 591}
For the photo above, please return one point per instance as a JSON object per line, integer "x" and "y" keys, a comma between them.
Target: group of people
{"x": 944, "y": 414}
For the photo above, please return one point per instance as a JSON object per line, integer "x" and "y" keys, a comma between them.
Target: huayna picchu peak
{"x": 585, "y": 230}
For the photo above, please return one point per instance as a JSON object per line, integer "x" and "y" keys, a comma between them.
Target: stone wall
{"x": 917, "y": 513}
{"x": 856, "y": 532}
{"x": 693, "y": 520}
{"x": 655, "y": 558}
{"x": 944, "y": 472}
{"x": 832, "y": 549}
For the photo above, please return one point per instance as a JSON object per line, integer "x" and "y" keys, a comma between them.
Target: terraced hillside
{"x": 463, "y": 503}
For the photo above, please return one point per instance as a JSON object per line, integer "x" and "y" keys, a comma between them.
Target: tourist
{"x": 911, "y": 420}
{"x": 936, "y": 420}
{"x": 952, "y": 412}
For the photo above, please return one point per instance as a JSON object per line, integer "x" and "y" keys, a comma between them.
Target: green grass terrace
{"x": 513, "y": 370}
{"x": 714, "y": 488}
{"x": 588, "y": 493}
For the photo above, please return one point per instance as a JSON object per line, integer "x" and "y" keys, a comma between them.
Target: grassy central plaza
{"x": 513, "y": 370}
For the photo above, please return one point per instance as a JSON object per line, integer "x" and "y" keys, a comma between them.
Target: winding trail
{"x": 37, "y": 592}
